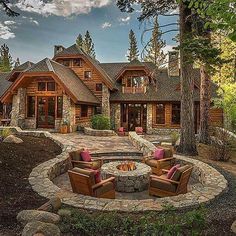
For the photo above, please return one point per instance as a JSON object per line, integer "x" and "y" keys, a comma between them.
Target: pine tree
{"x": 17, "y": 62}
{"x": 133, "y": 49}
{"x": 88, "y": 45}
{"x": 155, "y": 53}
{"x": 6, "y": 59}
{"x": 79, "y": 41}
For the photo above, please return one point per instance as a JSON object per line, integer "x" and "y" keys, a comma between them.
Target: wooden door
{"x": 46, "y": 112}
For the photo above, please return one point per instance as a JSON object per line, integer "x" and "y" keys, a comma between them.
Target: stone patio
{"x": 96, "y": 144}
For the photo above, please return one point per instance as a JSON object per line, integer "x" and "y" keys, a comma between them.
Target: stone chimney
{"x": 173, "y": 66}
{"x": 58, "y": 48}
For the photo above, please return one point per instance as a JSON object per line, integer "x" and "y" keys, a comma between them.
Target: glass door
{"x": 46, "y": 112}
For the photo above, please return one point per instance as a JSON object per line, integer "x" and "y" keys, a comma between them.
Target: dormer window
{"x": 135, "y": 84}
{"x": 77, "y": 62}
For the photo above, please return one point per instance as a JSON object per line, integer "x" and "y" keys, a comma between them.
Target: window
{"x": 87, "y": 74}
{"x": 59, "y": 107}
{"x": 176, "y": 113}
{"x": 98, "y": 110}
{"x": 77, "y": 62}
{"x": 41, "y": 86}
{"x": 46, "y": 86}
{"x": 66, "y": 62}
{"x": 51, "y": 86}
{"x": 98, "y": 87}
{"x": 160, "y": 113}
{"x": 136, "y": 82}
{"x": 84, "y": 111}
{"x": 31, "y": 106}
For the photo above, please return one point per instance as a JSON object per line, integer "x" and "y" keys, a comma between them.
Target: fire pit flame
{"x": 127, "y": 166}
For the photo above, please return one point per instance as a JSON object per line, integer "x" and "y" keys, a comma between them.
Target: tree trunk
{"x": 187, "y": 135}
{"x": 204, "y": 106}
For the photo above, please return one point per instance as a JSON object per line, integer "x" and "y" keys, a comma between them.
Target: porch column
{"x": 105, "y": 101}
{"x": 68, "y": 112}
{"x": 18, "y": 113}
{"x": 149, "y": 118}
{"x": 115, "y": 115}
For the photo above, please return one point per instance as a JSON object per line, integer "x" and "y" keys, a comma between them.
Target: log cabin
{"x": 72, "y": 87}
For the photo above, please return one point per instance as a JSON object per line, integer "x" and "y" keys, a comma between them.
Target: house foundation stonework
{"x": 18, "y": 108}
{"x": 105, "y": 101}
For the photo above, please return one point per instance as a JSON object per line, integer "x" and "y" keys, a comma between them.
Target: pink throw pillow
{"x": 121, "y": 129}
{"x": 172, "y": 171}
{"x": 139, "y": 129}
{"x": 85, "y": 155}
{"x": 97, "y": 176}
{"x": 159, "y": 153}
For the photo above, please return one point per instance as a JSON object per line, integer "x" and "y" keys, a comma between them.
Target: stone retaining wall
{"x": 96, "y": 132}
{"x": 41, "y": 180}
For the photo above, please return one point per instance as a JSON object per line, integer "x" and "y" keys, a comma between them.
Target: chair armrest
{"x": 111, "y": 179}
{"x": 165, "y": 171}
{"x": 167, "y": 159}
{"x": 167, "y": 180}
{"x": 147, "y": 158}
{"x": 82, "y": 162}
{"x": 98, "y": 159}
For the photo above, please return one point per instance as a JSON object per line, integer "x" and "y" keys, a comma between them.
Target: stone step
{"x": 116, "y": 154}
{"x": 121, "y": 158}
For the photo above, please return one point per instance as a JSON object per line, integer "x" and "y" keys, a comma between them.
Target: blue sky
{"x": 31, "y": 36}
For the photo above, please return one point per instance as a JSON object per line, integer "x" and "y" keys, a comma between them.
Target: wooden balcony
{"x": 134, "y": 89}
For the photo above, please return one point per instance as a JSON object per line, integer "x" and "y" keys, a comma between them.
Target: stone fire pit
{"x": 128, "y": 181}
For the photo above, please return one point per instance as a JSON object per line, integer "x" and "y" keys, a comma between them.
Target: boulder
{"x": 233, "y": 227}
{"x": 26, "y": 216}
{"x": 40, "y": 228}
{"x": 12, "y": 139}
{"x": 53, "y": 205}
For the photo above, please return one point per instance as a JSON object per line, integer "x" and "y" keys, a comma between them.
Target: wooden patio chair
{"x": 157, "y": 165}
{"x": 77, "y": 161}
{"x": 83, "y": 182}
{"x": 161, "y": 186}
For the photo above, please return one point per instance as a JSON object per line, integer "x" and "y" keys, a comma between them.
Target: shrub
{"x": 170, "y": 223}
{"x": 100, "y": 122}
{"x": 174, "y": 137}
{"x": 5, "y": 133}
{"x": 220, "y": 145}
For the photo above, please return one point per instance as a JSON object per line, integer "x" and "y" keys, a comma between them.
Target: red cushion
{"x": 97, "y": 175}
{"x": 121, "y": 129}
{"x": 172, "y": 171}
{"x": 139, "y": 129}
{"x": 85, "y": 155}
{"x": 159, "y": 153}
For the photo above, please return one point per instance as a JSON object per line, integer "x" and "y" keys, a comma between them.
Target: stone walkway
{"x": 96, "y": 144}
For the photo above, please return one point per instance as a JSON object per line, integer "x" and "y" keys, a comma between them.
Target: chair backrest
{"x": 82, "y": 181}
{"x": 75, "y": 155}
{"x": 183, "y": 182}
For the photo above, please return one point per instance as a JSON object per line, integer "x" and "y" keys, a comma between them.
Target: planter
{"x": 64, "y": 129}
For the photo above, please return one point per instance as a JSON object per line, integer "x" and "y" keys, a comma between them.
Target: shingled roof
{"x": 166, "y": 88}
{"x": 4, "y": 83}
{"x": 74, "y": 50}
{"x": 68, "y": 78}
{"x": 25, "y": 66}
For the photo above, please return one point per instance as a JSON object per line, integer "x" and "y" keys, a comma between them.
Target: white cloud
{"x": 5, "y": 32}
{"x": 168, "y": 48}
{"x": 61, "y": 7}
{"x": 125, "y": 19}
{"x": 106, "y": 25}
{"x": 9, "y": 22}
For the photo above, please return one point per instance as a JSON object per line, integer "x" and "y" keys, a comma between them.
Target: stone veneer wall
{"x": 69, "y": 112}
{"x": 105, "y": 101}
{"x": 41, "y": 180}
{"x": 18, "y": 113}
{"x": 115, "y": 115}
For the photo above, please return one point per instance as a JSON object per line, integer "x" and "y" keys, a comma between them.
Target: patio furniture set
{"x": 102, "y": 177}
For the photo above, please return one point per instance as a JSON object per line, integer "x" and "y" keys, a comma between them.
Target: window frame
{"x": 82, "y": 113}
{"x": 76, "y": 65}
{"x": 33, "y": 107}
{"x": 161, "y": 114}
{"x": 57, "y": 111}
{"x": 96, "y": 87}
{"x": 46, "y": 86}
{"x": 88, "y": 71}
{"x": 175, "y": 110}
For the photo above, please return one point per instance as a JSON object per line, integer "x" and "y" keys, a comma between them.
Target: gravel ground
{"x": 222, "y": 211}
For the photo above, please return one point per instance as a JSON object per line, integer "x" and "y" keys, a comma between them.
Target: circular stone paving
{"x": 127, "y": 181}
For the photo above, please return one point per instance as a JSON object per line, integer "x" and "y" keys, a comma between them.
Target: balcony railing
{"x": 134, "y": 89}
